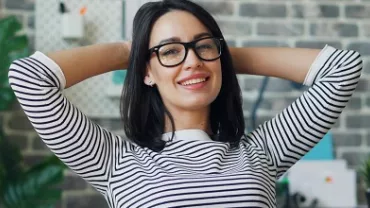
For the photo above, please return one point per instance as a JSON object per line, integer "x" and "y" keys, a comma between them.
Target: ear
{"x": 148, "y": 79}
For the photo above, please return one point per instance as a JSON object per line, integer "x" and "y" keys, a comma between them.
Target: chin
{"x": 197, "y": 103}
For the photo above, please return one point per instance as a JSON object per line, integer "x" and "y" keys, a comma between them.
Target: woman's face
{"x": 192, "y": 85}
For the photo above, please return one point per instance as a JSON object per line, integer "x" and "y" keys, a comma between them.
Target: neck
{"x": 196, "y": 119}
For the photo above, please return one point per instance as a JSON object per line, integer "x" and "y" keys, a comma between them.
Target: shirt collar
{"x": 187, "y": 134}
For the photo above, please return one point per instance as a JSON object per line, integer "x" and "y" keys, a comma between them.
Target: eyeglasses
{"x": 174, "y": 53}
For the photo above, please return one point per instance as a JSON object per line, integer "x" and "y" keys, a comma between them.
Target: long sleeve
{"x": 288, "y": 136}
{"x": 82, "y": 145}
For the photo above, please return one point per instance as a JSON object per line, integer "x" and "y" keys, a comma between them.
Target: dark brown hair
{"x": 142, "y": 110}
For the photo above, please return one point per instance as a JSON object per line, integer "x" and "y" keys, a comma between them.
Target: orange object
{"x": 83, "y": 10}
{"x": 328, "y": 179}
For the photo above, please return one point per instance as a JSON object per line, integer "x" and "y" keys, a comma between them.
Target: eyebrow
{"x": 177, "y": 39}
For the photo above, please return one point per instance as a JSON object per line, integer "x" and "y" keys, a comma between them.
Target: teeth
{"x": 193, "y": 81}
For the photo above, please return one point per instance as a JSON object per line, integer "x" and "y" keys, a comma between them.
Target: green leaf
{"x": 365, "y": 172}
{"x": 37, "y": 187}
{"x": 9, "y": 27}
{"x": 4, "y": 65}
{"x": 12, "y": 46}
{"x": 19, "y": 54}
{"x": 11, "y": 197}
{"x": 17, "y": 43}
{"x": 10, "y": 164}
{"x": 10, "y": 158}
{"x": 7, "y": 98}
{"x": 4, "y": 80}
{"x": 48, "y": 197}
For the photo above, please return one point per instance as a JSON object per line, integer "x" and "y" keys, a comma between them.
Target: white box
{"x": 72, "y": 26}
{"x": 330, "y": 182}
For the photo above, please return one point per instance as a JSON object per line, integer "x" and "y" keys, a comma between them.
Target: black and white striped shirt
{"x": 192, "y": 170}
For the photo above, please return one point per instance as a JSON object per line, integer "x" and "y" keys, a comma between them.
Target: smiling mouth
{"x": 193, "y": 81}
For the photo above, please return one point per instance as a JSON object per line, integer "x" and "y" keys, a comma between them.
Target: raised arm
{"x": 38, "y": 82}
{"x": 81, "y": 63}
{"x": 286, "y": 63}
{"x": 332, "y": 76}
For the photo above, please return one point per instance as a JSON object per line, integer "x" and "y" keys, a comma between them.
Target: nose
{"x": 192, "y": 60}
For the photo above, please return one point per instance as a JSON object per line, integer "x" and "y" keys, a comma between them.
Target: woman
{"x": 182, "y": 112}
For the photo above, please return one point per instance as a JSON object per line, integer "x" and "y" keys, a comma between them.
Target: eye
{"x": 205, "y": 46}
{"x": 169, "y": 52}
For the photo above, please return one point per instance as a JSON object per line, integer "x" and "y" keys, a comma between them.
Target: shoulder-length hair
{"x": 142, "y": 110}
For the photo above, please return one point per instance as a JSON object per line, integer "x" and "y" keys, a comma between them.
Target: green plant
{"x": 365, "y": 172}
{"x": 21, "y": 187}
{"x": 12, "y": 46}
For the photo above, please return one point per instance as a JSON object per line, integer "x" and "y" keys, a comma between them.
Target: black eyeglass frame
{"x": 187, "y": 46}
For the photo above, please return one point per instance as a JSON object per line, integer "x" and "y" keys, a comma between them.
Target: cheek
{"x": 218, "y": 73}
{"x": 164, "y": 76}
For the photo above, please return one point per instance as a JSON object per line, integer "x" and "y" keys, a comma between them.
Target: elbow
{"x": 12, "y": 73}
{"x": 354, "y": 70}
{"x": 357, "y": 65}
{"x": 17, "y": 74}
{"x": 357, "y": 61}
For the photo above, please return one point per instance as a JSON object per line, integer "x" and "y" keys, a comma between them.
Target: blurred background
{"x": 334, "y": 174}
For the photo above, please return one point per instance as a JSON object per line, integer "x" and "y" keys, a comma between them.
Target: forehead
{"x": 180, "y": 24}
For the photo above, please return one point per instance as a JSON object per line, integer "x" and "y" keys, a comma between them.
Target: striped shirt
{"x": 192, "y": 170}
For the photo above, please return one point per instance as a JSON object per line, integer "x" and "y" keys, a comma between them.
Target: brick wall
{"x": 306, "y": 23}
